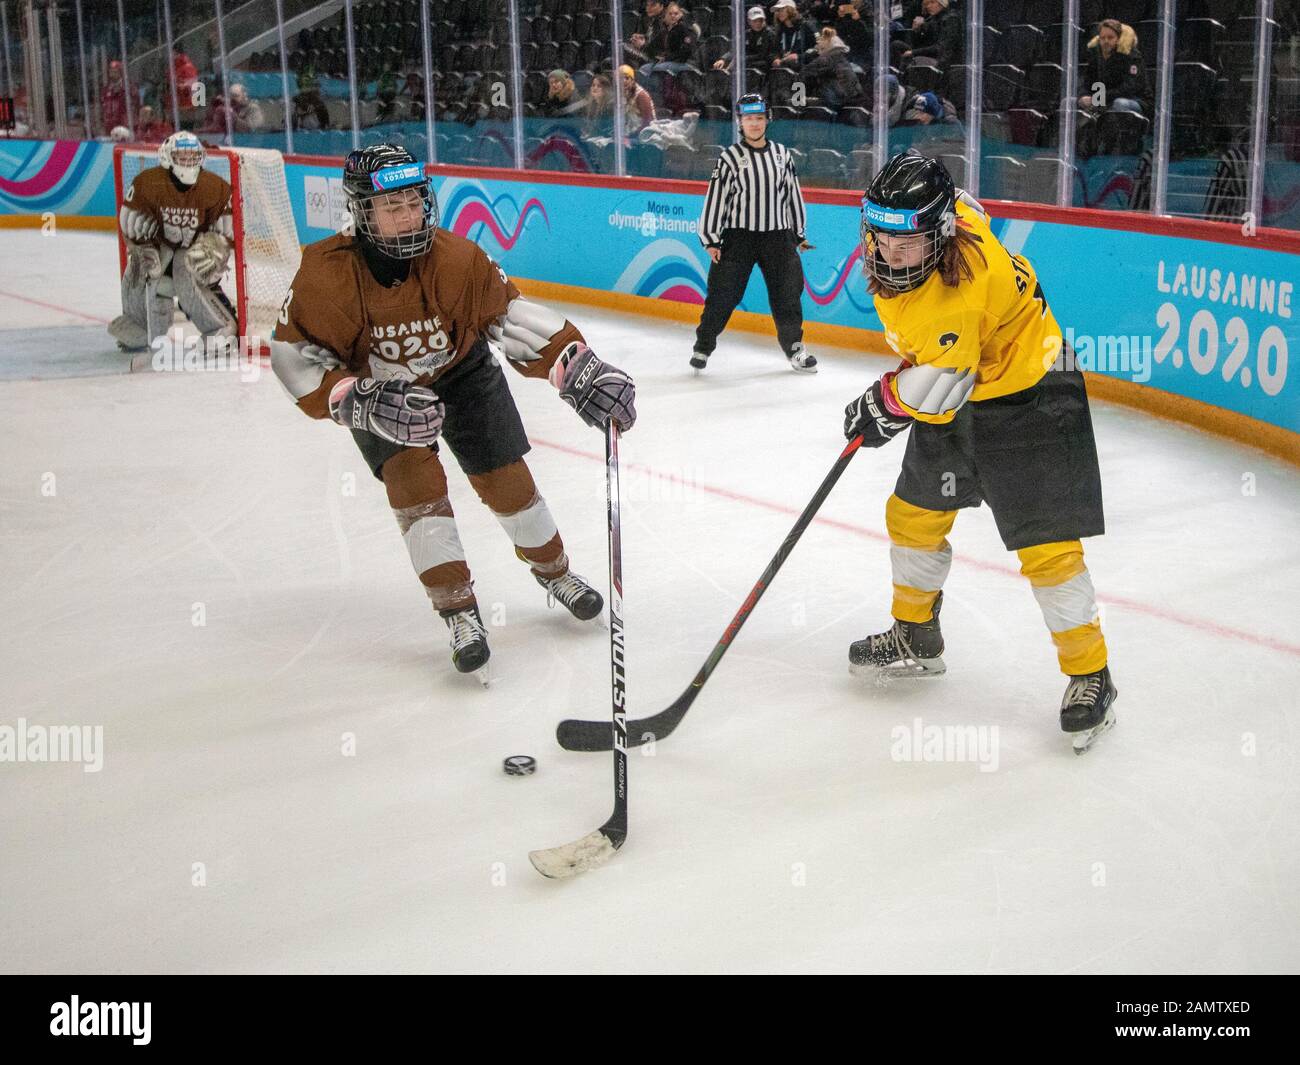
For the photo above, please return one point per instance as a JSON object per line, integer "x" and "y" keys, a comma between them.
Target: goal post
{"x": 266, "y": 251}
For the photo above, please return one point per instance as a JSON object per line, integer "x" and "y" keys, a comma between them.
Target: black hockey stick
{"x": 598, "y": 847}
{"x": 575, "y": 735}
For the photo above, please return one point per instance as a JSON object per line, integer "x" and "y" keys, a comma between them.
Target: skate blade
{"x": 917, "y": 670}
{"x": 1083, "y": 741}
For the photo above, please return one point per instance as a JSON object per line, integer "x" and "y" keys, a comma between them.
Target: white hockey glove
{"x": 147, "y": 259}
{"x": 207, "y": 257}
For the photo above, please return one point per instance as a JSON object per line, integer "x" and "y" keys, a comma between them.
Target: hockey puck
{"x": 520, "y": 765}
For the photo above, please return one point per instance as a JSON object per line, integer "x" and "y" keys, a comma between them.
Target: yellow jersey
{"x": 997, "y": 323}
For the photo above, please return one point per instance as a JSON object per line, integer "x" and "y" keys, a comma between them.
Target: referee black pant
{"x": 776, "y": 254}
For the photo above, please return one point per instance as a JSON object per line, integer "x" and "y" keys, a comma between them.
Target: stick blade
{"x": 575, "y": 735}
{"x": 560, "y": 863}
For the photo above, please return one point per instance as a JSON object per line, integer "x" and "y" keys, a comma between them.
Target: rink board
{"x": 1209, "y": 317}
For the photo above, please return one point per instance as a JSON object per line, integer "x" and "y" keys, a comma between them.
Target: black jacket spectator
{"x": 673, "y": 44}
{"x": 797, "y": 38}
{"x": 939, "y": 38}
{"x": 1122, "y": 72}
{"x": 836, "y": 80}
{"x": 857, "y": 32}
{"x": 760, "y": 48}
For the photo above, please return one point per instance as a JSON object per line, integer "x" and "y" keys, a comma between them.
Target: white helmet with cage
{"x": 183, "y": 154}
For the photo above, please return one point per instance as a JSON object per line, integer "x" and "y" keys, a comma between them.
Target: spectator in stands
{"x": 599, "y": 110}
{"x": 638, "y": 107}
{"x": 1114, "y": 63}
{"x": 247, "y": 111}
{"x": 647, "y": 26}
{"x": 794, "y": 37}
{"x": 149, "y": 128}
{"x": 412, "y": 96}
{"x": 187, "y": 76}
{"x": 245, "y": 114}
{"x": 670, "y": 49}
{"x": 927, "y": 108}
{"x": 936, "y": 35}
{"x": 112, "y": 98}
{"x": 760, "y": 43}
{"x": 309, "y": 110}
{"x": 832, "y": 72}
{"x": 562, "y": 99}
{"x": 855, "y": 31}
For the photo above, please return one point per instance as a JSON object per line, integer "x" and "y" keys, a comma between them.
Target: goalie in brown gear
{"x": 387, "y": 331}
{"x": 176, "y": 221}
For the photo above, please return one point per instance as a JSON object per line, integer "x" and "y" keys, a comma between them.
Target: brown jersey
{"x": 178, "y": 215}
{"x": 415, "y": 330}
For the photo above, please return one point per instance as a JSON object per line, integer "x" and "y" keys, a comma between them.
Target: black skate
{"x": 801, "y": 360}
{"x": 577, "y": 596}
{"x": 699, "y": 359}
{"x": 469, "y": 647}
{"x": 1087, "y": 710}
{"x": 909, "y": 649}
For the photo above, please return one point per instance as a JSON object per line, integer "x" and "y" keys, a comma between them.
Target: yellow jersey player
{"x": 176, "y": 222}
{"x": 993, "y": 419}
{"x": 387, "y": 332}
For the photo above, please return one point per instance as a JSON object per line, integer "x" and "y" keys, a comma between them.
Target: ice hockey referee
{"x": 754, "y": 214}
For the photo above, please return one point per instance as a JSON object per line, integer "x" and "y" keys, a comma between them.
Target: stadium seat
{"x": 923, "y": 77}
{"x": 858, "y": 117}
{"x": 1027, "y": 126}
{"x": 1004, "y": 15}
{"x": 1025, "y": 44}
{"x": 956, "y": 167}
{"x": 1002, "y": 86}
{"x": 1121, "y": 132}
{"x": 1043, "y": 87}
{"x": 994, "y": 49}
{"x": 562, "y": 29}
{"x": 955, "y": 87}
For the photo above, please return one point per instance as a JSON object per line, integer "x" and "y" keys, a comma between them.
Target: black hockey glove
{"x": 873, "y": 415}
{"x": 596, "y": 390}
{"x": 394, "y": 410}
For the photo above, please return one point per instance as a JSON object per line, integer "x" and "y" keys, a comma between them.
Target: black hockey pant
{"x": 777, "y": 257}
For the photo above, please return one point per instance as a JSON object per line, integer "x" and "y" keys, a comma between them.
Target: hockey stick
{"x": 598, "y": 847}
{"x": 574, "y": 735}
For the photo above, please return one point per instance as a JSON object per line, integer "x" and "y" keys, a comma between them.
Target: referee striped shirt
{"x": 754, "y": 189}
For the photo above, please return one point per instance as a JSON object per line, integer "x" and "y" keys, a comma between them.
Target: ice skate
{"x": 469, "y": 647}
{"x": 1087, "y": 710}
{"x": 908, "y": 649}
{"x": 699, "y": 359}
{"x": 801, "y": 360}
{"x": 573, "y": 593}
{"x": 129, "y": 335}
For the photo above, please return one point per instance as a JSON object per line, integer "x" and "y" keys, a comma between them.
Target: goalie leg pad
{"x": 147, "y": 304}
{"x": 205, "y": 306}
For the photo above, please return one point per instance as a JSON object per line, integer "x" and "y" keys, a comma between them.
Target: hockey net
{"x": 266, "y": 253}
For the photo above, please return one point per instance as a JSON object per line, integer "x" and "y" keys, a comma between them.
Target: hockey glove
{"x": 147, "y": 259}
{"x": 394, "y": 410}
{"x": 207, "y": 257}
{"x": 597, "y": 391}
{"x": 874, "y": 415}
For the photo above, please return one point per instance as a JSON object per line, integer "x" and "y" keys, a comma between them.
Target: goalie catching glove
{"x": 394, "y": 410}
{"x": 598, "y": 391}
{"x": 207, "y": 257}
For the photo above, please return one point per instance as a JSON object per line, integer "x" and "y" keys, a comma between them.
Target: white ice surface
{"x": 773, "y": 831}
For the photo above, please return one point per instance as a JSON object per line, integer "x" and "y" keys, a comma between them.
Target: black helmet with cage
{"x": 910, "y": 195}
{"x": 383, "y": 175}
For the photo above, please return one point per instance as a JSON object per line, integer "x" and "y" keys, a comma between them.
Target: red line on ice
{"x": 54, "y": 307}
{"x": 992, "y": 567}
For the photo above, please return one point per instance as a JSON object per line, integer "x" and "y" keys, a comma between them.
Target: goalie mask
{"x": 183, "y": 154}
{"x": 392, "y": 205}
{"x": 912, "y": 202}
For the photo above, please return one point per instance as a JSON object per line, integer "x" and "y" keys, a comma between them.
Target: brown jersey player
{"x": 176, "y": 221}
{"x": 387, "y": 331}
